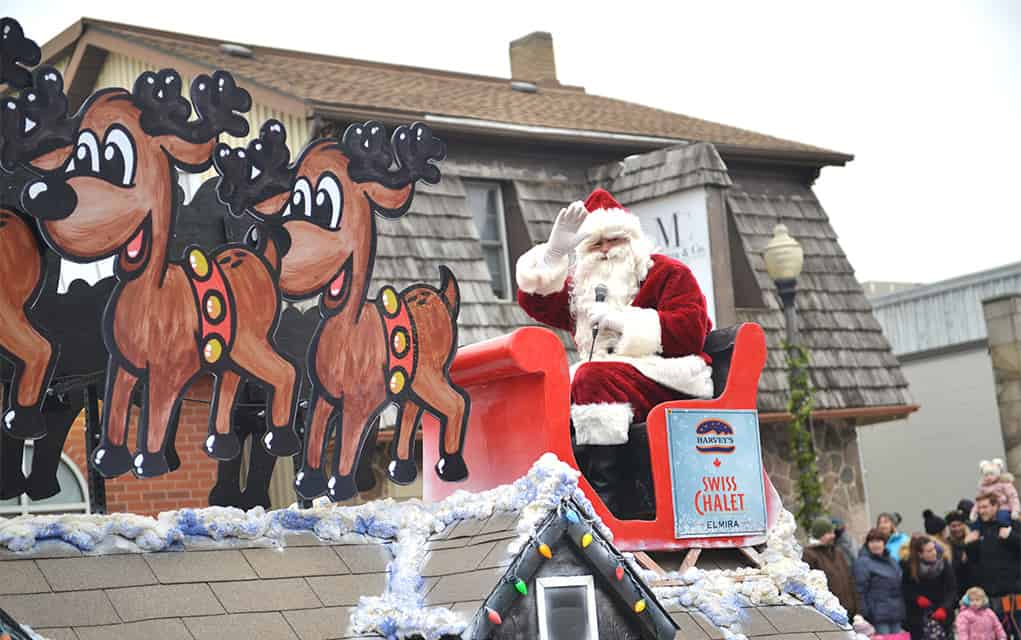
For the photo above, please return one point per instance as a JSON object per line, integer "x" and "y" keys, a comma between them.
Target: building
{"x": 521, "y": 148}
{"x": 940, "y": 335}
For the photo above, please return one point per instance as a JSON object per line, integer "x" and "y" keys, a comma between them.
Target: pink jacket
{"x": 980, "y": 624}
{"x": 1005, "y": 491}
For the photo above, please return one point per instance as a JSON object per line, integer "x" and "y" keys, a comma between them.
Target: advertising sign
{"x": 716, "y": 473}
{"x": 678, "y": 224}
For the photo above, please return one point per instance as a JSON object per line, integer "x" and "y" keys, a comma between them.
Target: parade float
{"x": 510, "y": 540}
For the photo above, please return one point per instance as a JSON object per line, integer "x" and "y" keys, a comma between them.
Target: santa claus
{"x": 639, "y": 319}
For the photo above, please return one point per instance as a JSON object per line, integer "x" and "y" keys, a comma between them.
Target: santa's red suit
{"x": 651, "y": 352}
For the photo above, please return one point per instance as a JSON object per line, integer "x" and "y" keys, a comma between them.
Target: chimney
{"x": 531, "y": 59}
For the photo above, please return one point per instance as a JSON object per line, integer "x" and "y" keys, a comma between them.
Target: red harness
{"x": 214, "y": 305}
{"x": 401, "y": 339}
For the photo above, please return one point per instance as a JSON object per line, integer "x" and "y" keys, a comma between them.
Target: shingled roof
{"x": 318, "y": 574}
{"x": 339, "y": 87}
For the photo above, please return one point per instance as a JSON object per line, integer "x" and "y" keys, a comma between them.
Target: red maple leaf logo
{"x": 716, "y": 462}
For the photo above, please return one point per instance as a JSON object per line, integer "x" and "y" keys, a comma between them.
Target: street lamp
{"x": 784, "y": 259}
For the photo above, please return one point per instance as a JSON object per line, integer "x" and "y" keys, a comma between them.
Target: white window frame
{"x": 26, "y": 507}
{"x": 553, "y": 582}
{"x": 501, "y": 221}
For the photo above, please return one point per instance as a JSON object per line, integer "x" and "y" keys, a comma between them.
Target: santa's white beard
{"x": 621, "y": 271}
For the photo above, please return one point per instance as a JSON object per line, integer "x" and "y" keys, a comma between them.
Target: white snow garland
{"x": 405, "y": 528}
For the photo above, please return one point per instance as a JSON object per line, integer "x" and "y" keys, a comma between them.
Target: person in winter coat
{"x": 823, "y": 554}
{"x": 930, "y": 589}
{"x": 887, "y": 523}
{"x": 877, "y": 578}
{"x": 994, "y": 551}
{"x": 975, "y": 620}
{"x": 844, "y": 542}
{"x": 996, "y": 481}
{"x": 957, "y": 528}
{"x": 935, "y": 528}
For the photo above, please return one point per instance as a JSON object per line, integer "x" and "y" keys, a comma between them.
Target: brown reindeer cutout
{"x": 365, "y": 353}
{"x": 21, "y": 263}
{"x": 110, "y": 192}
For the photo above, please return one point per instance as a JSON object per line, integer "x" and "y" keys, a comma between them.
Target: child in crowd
{"x": 975, "y": 620}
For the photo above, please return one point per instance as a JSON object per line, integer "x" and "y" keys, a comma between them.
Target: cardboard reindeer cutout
{"x": 106, "y": 189}
{"x": 365, "y": 354}
{"x": 51, "y": 348}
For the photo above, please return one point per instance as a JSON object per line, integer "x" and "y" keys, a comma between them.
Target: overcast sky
{"x": 926, "y": 95}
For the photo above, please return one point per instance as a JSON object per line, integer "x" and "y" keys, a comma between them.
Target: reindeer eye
{"x": 118, "y": 165}
{"x": 301, "y": 199}
{"x": 86, "y": 153}
{"x": 329, "y": 203}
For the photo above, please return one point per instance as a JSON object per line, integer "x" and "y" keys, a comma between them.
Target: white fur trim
{"x": 603, "y": 223}
{"x": 536, "y": 277}
{"x": 603, "y": 423}
{"x": 641, "y": 335}
{"x": 688, "y": 374}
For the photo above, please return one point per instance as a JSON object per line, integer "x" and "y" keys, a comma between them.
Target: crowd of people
{"x": 961, "y": 578}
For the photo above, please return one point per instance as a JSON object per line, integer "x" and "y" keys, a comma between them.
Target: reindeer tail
{"x": 449, "y": 291}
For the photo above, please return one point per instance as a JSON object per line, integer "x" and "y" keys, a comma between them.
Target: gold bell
{"x": 214, "y": 307}
{"x": 390, "y": 302}
{"x": 213, "y": 350}
{"x": 400, "y": 342}
{"x": 199, "y": 263}
{"x": 397, "y": 382}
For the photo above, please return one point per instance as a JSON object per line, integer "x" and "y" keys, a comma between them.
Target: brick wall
{"x": 187, "y": 487}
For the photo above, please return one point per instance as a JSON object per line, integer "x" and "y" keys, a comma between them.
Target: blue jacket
{"x": 878, "y": 580}
{"x": 895, "y": 542}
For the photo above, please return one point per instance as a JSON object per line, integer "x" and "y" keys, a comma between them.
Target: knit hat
{"x": 933, "y": 523}
{"x": 607, "y": 218}
{"x": 820, "y": 527}
{"x": 965, "y": 506}
{"x": 956, "y": 516}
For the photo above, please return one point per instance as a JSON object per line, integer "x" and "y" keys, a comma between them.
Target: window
{"x": 486, "y": 203}
{"x": 567, "y": 608}
{"x": 73, "y": 496}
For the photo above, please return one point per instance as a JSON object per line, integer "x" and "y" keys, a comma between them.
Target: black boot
{"x": 599, "y": 464}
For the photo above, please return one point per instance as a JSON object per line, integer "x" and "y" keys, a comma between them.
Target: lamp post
{"x": 784, "y": 259}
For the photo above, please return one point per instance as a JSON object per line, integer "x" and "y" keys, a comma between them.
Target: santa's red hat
{"x": 607, "y": 218}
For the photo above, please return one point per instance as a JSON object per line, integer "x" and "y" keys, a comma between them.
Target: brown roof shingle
{"x": 335, "y": 85}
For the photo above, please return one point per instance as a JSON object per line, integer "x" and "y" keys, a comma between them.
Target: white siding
{"x": 943, "y": 314}
{"x": 121, "y": 71}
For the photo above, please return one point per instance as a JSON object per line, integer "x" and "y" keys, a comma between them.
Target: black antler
{"x": 249, "y": 176}
{"x": 394, "y": 163}
{"x": 166, "y": 111}
{"x": 37, "y": 122}
{"x": 16, "y": 52}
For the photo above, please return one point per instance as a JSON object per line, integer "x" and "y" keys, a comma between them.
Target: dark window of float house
{"x": 485, "y": 200}
{"x": 567, "y": 608}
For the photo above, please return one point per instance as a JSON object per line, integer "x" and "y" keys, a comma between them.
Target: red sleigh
{"x": 520, "y": 391}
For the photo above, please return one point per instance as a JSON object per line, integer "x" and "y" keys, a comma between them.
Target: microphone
{"x": 600, "y": 297}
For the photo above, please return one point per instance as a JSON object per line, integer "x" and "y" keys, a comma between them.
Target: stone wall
{"x": 836, "y": 445}
{"x": 1003, "y": 325}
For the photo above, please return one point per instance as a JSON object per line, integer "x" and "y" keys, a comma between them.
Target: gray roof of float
{"x": 306, "y": 591}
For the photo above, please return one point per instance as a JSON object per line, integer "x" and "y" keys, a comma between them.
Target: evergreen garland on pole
{"x": 802, "y": 451}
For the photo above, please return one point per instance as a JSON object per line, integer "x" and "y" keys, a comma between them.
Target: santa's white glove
{"x": 603, "y": 317}
{"x": 565, "y": 237}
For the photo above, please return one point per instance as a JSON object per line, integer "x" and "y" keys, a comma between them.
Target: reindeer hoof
{"x": 281, "y": 441}
{"x": 402, "y": 471}
{"x": 150, "y": 465}
{"x": 223, "y": 446}
{"x": 42, "y": 488}
{"x": 110, "y": 460}
{"x": 310, "y": 483}
{"x": 13, "y": 486}
{"x": 451, "y": 467}
{"x": 24, "y": 423}
{"x": 342, "y": 488}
